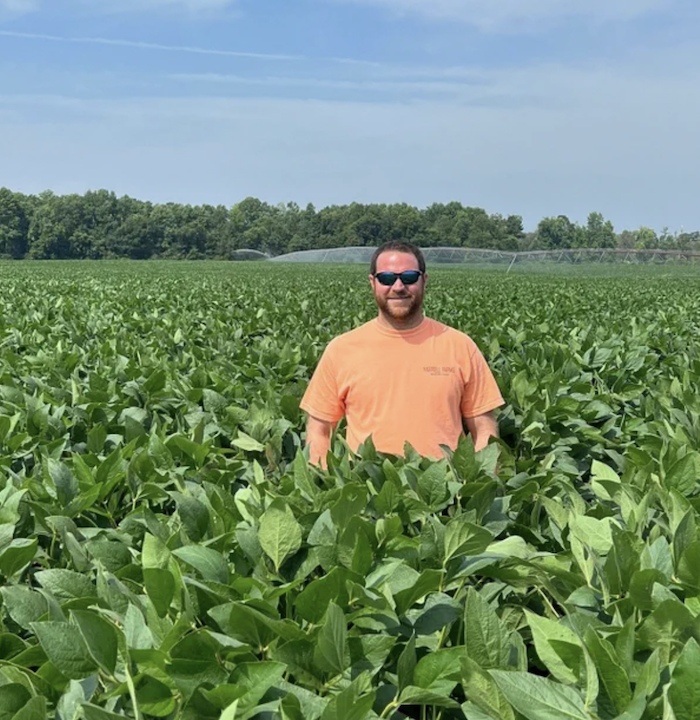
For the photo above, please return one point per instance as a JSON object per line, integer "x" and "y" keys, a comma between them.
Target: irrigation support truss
{"x": 464, "y": 255}
{"x": 576, "y": 255}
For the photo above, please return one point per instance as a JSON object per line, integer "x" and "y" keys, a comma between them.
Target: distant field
{"x": 165, "y": 551}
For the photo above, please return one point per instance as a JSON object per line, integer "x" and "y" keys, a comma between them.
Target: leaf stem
{"x": 132, "y": 689}
{"x": 548, "y": 602}
{"x": 390, "y": 707}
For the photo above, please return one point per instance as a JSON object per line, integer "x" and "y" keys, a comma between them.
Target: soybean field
{"x": 167, "y": 552}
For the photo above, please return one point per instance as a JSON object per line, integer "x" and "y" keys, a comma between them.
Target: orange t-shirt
{"x": 402, "y": 385}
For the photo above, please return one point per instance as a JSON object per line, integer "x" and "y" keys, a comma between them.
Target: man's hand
{"x": 481, "y": 428}
{"x": 318, "y": 437}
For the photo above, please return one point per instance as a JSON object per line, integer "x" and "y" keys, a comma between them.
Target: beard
{"x": 400, "y": 307}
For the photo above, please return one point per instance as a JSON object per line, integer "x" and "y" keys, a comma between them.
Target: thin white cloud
{"x": 194, "y": 50}
{"x": 362, "y": 84}
{"x": 191, "y": 5}
{"x": 116, "y": 5}
{"x": 501, "y": 14}
{"x": 138, "y": 45}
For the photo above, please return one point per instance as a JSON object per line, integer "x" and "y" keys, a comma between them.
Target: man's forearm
{"x": 482, "y": 429}
{"x": 318, "y": 440}
{"x": 318, "y": 445}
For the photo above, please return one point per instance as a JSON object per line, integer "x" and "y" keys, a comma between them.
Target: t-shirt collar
{"x": 393, "y": 332}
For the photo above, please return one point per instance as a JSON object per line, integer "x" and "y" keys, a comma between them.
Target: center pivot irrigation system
{"x": 477, "y": 256}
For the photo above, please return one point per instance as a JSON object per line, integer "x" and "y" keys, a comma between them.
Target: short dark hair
{"x": 397, "y": 246}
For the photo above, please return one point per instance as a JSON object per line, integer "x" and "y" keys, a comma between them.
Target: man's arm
{"x": 481, "y": 428}
{"x": 318, "y": 437}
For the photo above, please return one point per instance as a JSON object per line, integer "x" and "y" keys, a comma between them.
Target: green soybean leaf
{"x": 464, "y": 538}
{"x": 290, "y": 708}
{"x": 17, "y": 555}
{"x": 230, "y": 711}
{"x": 255, "y": 679}
{"x": 24, "y": 605}
{"x": 66, "y": 585}
{"x": 562, "y": 659}
{"x": 194, "y": 515}
{"x": 428, "y": 582}
{"x": 635, "y": 710}
{"x": 280, "y": 533}
{"x": 612, "y": 675}
{"x": 332, "y": 643}
{"x": 349, "y": 706}
{"x": 63, "y": 480}
{"x": 65, "y": 648}
{"x": 439, "y": 671}
{"x": 313, "y": 601}
{"x": 154, "y": 697}
{"x": 683, "y": 476}
{"x": 432, "y": 486}
{"x": 213, "y": 401}
{"x": 684, "y": 535}
{"x": 649, "y": 676}
{"x": 209, "y": 563}
{"x": 538, "y": 698}
{"x": 35, "y": 709}
{"x": 483, "y": 692}
{"x": 12, "y": 698}
{"x": 94, "y": 712}
{"x": 68, "y": 707}
{"x": 156, "y": 381}
{"x": 245, "y": 442}
{"x": 160, "y": 586}
{"x": 689, "y": 566}
{"x": 486, "y": 639}
{"x": 592, "y": 532}
{"x": 302, "y": 477}
{"x": 684, "y": 693}
{"x": 420, "y": 696}
{"x": 137, "y": 634}
{"x": 407, "y": 664}
{"x": 100, "y": 637}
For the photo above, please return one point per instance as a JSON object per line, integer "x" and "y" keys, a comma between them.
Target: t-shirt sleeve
{"x": 322, "y": 399}
{"x": 481, "y": 393}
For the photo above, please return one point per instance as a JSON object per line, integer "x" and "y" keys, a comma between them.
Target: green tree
{"x": 47, "y": 234}
{"x": 645, "y": 239}
{"x": 688, "y": 241}
{"x": 368, "y": 226}
{"x": 599, "y": 232}
{"x": 243, "y": 216}
{"x": 474, "y": 228}
{"x": 559, "y": 233}
{"x": 626, "y": 240}
{"x": 404, "y": 221}
{"x": 14, "y": 225}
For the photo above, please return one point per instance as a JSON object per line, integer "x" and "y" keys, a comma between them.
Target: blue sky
{"x": 531, "y": 107}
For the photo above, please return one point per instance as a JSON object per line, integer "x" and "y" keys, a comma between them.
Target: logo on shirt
{"x": 439, "y": 371}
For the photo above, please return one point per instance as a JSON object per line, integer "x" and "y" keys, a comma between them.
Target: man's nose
{"x": 398, "y": 285}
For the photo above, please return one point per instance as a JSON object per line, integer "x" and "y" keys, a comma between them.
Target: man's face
{"x": 398, "y": 301}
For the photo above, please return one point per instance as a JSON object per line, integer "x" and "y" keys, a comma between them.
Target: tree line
{"x": 99, "y": 225}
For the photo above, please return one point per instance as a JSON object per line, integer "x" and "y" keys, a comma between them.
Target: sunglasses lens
{"x": 410, "y": 277}
{"x": 386, "y": 278}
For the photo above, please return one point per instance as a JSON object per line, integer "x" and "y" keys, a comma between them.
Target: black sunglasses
{"x": 408, "y": 277}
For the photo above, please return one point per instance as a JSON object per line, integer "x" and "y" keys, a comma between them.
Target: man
{"x": 402, "y": 376}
